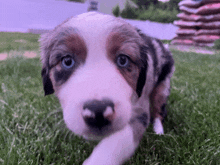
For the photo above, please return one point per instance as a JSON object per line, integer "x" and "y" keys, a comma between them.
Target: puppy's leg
{"x": 158, "y": 102}
{"x": 158, "y": 98}
{"x": 114, "y": 149}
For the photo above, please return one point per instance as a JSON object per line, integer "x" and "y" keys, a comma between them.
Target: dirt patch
{"x": 28, "y": 54}
{"x": 3, "y": 56}
{"x": 21, "y": 41}
{"x": 194, "y": 49}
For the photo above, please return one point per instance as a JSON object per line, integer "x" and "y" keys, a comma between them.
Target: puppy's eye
{"x": 68, "y": 62}
{"x": 122, "y": 60}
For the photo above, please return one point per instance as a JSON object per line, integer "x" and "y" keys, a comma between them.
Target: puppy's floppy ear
{"x": 45, "y": 53}
{"x": 141, "y": 81}
{"x": 48, "y": 86}
{"x": 143, "y": 70}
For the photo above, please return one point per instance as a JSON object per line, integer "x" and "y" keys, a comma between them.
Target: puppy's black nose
{"x": 98, "y": 113}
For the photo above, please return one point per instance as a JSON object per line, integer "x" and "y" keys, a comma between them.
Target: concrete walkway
{"x": 38, "y": 15}
{"x": 27, "y": 54}
{"x": 21, "y": 15}
{"x": 163, "y": 31}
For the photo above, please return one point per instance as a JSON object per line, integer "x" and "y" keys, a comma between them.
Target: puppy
{"x": 111, "y": 81}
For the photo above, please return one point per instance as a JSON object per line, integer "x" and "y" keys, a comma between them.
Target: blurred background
{"x": 38, "y": 16}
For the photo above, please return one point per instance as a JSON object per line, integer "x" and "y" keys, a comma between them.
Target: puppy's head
{"x": 95, "y": 64}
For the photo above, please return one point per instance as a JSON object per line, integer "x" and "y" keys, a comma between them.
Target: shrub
{"x": 116, "y": 11}
{"x": 162, "y": 12}
{"x": 217, "y": 44}
{"x": 158, "y": 15}
{"x": 171, "y": 4}
{"x": 129, "y": 12}
{"x": 145, "y": 3}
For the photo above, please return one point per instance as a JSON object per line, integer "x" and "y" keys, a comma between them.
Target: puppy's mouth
{"x": 97, "y": 133}
{"x": 102, "y": 131}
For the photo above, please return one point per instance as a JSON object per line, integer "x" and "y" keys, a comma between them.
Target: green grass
{"x": 217, "y": 44}
{"x": 18, "y": 41}
{"x": 32, "y": 130}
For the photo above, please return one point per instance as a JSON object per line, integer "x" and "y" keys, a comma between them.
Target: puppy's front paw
{"x": 86, "y": 162}
{"x": 158, "y": 126}
{"x": 114, "y": 149}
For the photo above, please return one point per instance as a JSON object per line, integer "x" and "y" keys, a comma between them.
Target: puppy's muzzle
{"x": 98, "y": 114}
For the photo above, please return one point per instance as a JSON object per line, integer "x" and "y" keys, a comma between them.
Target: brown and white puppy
{"x": 110, "y": 79}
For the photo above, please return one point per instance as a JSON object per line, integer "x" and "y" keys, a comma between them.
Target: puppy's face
{"x": 93, "y": 62}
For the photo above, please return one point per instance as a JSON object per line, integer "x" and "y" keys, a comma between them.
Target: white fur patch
{"x": 94, "y": 81}
{"x": 93, "y": 27}
{"x": 158, "y": 127}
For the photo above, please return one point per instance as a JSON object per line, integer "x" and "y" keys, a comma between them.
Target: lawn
{"x": 32, "y": 130}
{"x": 18, "y": 41}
